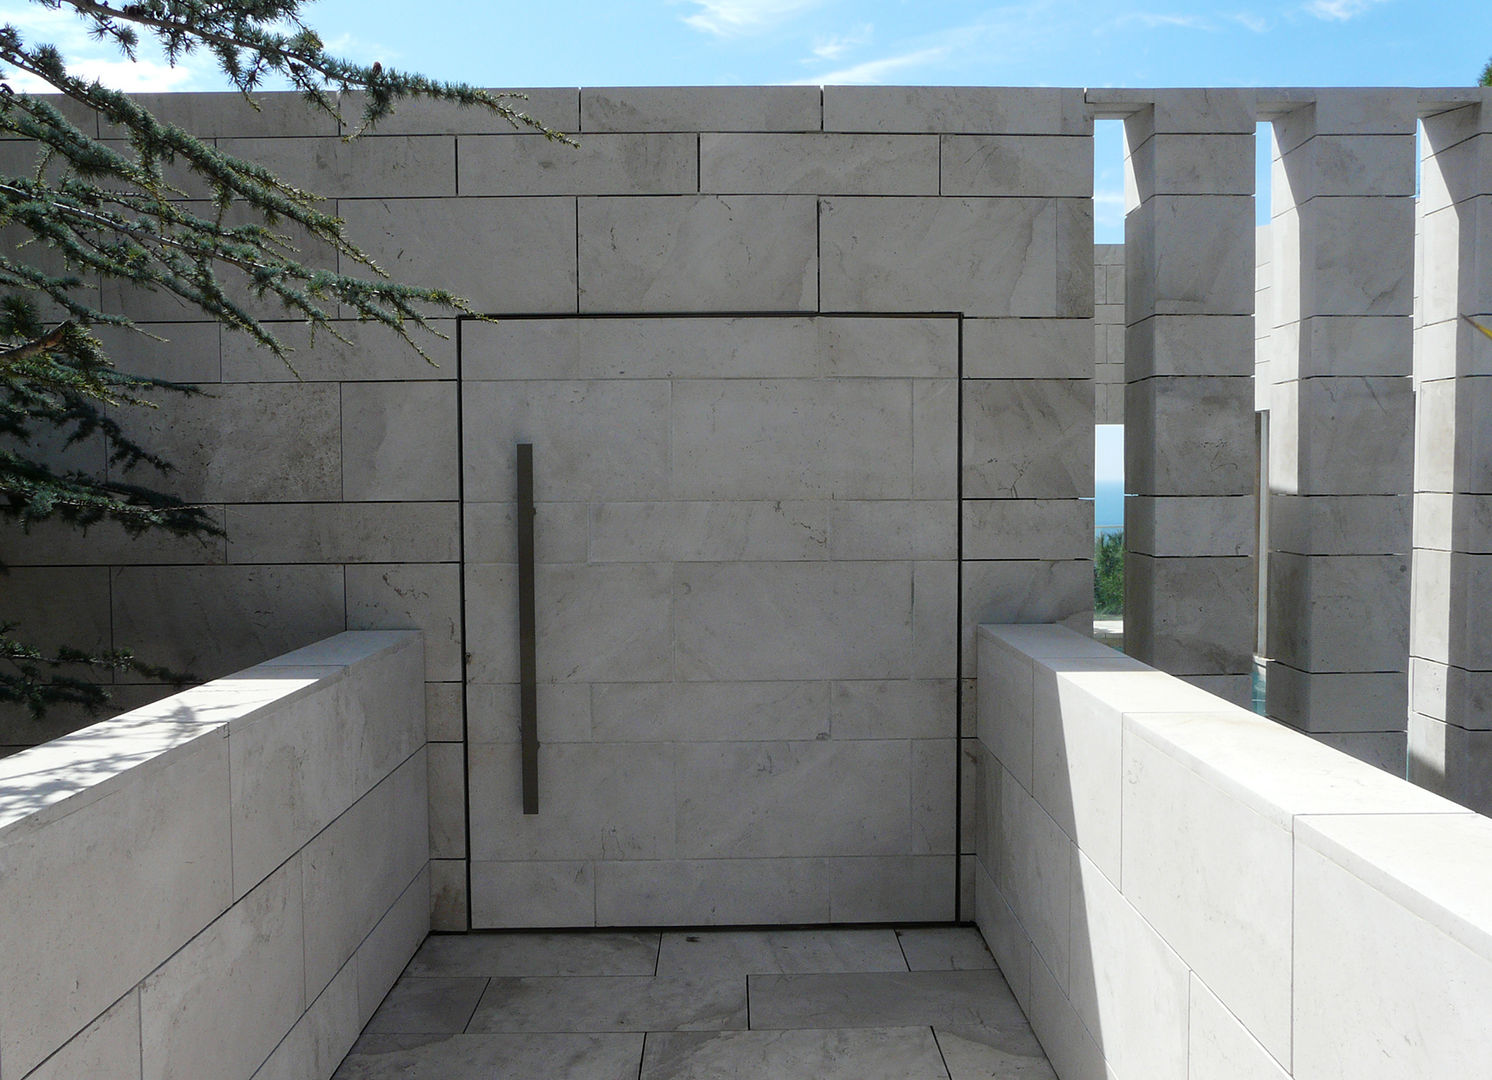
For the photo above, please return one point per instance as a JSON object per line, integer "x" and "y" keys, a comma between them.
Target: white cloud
{"x": 1155, "y": 20}
{"x": 1249, "y": 21}
{"x": 834, "y": 47}
{"x": 1340, "y": 10}
{"x": 728, "y": 18}
{"x": 874, "y": 71}
{"x": 89, "y": 58}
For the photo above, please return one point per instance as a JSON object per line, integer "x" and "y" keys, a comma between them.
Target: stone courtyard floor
{"x": 876, "y": 1004}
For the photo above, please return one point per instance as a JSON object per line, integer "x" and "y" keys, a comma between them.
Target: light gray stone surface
{"x": 699, "y": 253}
{"x": 700, "y": 108}
{"x": 970, "y": 109}
{"x": 819, "y": 164}
{"x": 503, "y": 255}
{"x": 653, "y": 164}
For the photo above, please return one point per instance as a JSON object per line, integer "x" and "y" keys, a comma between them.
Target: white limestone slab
{"x": 1212, "y": 876}
{"x": 502, "y": 254}
{"x": 970, "y": 109}
{"x": 107, "y": 1049}
{"x": 410, "y": 595}
{"x": 1218, "y": 1045}
{"x": 697, "y": 253}
{"x": 978, "y": 256}
{"x": 643, "y": 164}
{"x": 818, "y": 163}
{"x": 1068, "y": 1044}
{"x": 713, "y": 711}
{"x": 756, "y": 800}
{"x": 399, "y": 441}
{"x": 708, "y": 531}
{"x": 712, "y": 892}
{"x": 1168, "y": 163}
{"x": 336, "y": 168}
{"x": 1127, "y": 984}
{"x": 320, "y": 1039}
{"x": 1033, "y": 869}
{"x": 513, "y": 893}
{"x": 385, "y": 952}
{"x": 1041, "y": 165}
{"x": 1027, "y": 528}
{"x": 779, "y": 952}
{"x": 1027, "y": 348}
{"x": 248, "y": 964}
{"x": 700, "y": 108}
{"x": 1379, "y": 990}
{"x": 159, "y": 849}
{"x": 894, "y": 888}
{"x": 1027, "y": 438}
{"x": 599, "y": 800}
{"x": 1044, "y": 591}
{"x": 562, "y": 420}
{"x": 893, "y": 709}
{"x": 369, "y": 352}
{"x": 341, "y": 532}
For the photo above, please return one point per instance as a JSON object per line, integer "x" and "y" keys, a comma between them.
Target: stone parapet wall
{"x": 1176, "y": 888}
{"x": 224, "y": 883}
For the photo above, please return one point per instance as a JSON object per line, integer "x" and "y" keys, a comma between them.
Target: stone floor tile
{"x": 425, "y": 1006}
{"x": 958, "y": 1000}
{"x": 865, "y": 1054}
{"x": 779, "y": 952}
{"x": 482, "y": 1057}
{"x": 945, "y": 948}
{"x": 612, "y": 1003}
{"x": 512, "y": 955}
{"x": 972, "y": 1057}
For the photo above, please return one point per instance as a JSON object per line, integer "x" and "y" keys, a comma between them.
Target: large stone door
{"x": 746, "y": 538}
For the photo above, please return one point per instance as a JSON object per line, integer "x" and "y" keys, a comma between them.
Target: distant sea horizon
{"x": 1108, "y": 507}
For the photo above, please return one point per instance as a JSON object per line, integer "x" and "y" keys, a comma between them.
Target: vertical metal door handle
{"x": 528, "y": 667}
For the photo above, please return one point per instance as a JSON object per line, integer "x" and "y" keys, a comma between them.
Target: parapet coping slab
{"x": 59, "y": 777}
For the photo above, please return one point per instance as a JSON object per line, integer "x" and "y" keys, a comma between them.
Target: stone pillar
{"x": 1189, "y": 605}
{"x": 1341, "y": 424}
{"x": 1450, "y": 716}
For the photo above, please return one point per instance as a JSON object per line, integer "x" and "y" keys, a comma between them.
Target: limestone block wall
{"x": 1341, "y": 419}
{"x": 224, "y": 883}
{"x": 1450, "y": 748}
{"x": 371, "y": 492}
{"x": 1108, "y": 333}
{"x": 1177, "y": 888}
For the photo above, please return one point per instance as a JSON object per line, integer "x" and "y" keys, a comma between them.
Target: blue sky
{"x": 927, "y": 42}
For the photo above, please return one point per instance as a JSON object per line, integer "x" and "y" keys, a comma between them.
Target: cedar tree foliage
{"x": 90, "y": 211}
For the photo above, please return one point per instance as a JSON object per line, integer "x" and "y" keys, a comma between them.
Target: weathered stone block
{"x": 557, "y": 107}
{"x": 388, "y": 166}
{"x": 1192, "y": 616}
{"x": 512, "y": 894}
{"x": 976, "y": 256}
{"x": 1028, "y": 438}
{"x": 1027, "y": 348}
{"x": 797, "y": 439}
{"x": 656, "y": 164}
{"x": 370, "y": 352}
{"x": 718, "y": 892}
{"x": 411, "y": 596}
{"x": 248, "y": 961}
{"x": 1346, "y": 435}
{"x": 1352, "y": 255}
{"x": 819, "y": 164}
{"x": 1337, "y": 701}
{"x": 1166, "y": 345}
{"x": 210, "y": 620}
{"x": 399, "y": 441}
{"x": 893, "y": 529}
{"x": 1378, "y": 165}
{"x": 1035, "y": 165}
{"x": 1454, "y": 451}
{"x": 1190, "y": 255}
{"x": 1027, "y": 529}
{"x": 501, "y": 254}
{"x": 700, "y": 108}
{"x": 988, "y": 110}
{"x": 604, "y": 623}
{"x": 607, "y": 800}
{"x": 571, "y": 461}
{"x": 1025, "y": 591}
{"x": 231, "y": 447}
{"x": 1186, "y": 436}
{"x": 1171, "y": 526}
{"x": 421, "y": 532}
{"x": 1339, "y": 524}
{"x": 701, "y": 253}
{"x": 1191, "y": 164}
{"x": 1339, "y": 612}
{"x": 787, "y": 620}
